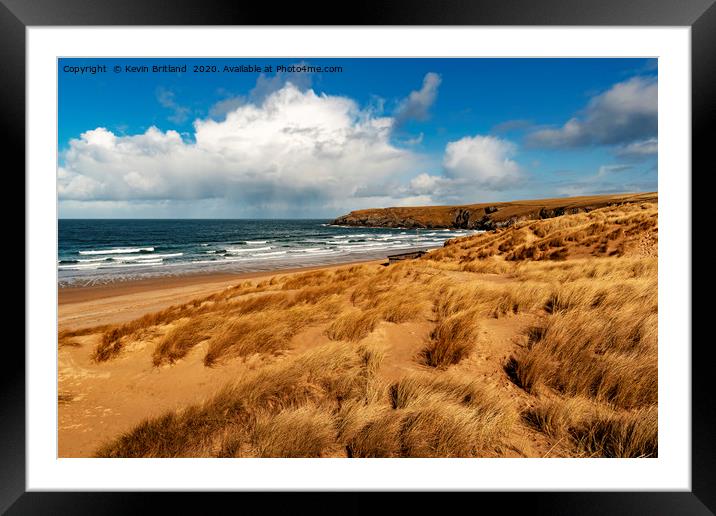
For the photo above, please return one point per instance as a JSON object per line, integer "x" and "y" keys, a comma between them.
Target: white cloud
{"x": 625, "y": 113}
{"x": 473, "y": 167}
{"x": 294, "y": 153}
{"x": 417, "y": 105}
{"x": 295, "y": 149}
{"x": 425, "y": 184}
{"x": 483, "y": 162}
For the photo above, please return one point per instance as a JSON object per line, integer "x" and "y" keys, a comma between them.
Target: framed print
{"x": 417, "y": 253}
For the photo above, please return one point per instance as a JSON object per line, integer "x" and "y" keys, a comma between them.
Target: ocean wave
{"x": 350, "y": 248}
{"x": 366, "y": 244}
{"x": 120, "y": 250}
{"x": 231, "y": 250}
{"x": 319, "y": 252}
{"x": 104, "y": 258}
{"x": 113, "y": 264}
{"x": 198, "y": 262}
{"x": 145, "y": 257}
{"x": 79, "y": 266}
{"x": 149, "y": 263}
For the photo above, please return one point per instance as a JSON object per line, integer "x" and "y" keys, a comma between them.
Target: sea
{"x": 92, "y": 252}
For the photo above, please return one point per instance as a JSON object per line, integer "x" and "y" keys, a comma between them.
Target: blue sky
{"x": 381, "y": 132}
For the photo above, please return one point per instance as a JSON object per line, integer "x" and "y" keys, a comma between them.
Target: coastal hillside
{"x": 534, "y": 340}
{"x": 486, "y": 215}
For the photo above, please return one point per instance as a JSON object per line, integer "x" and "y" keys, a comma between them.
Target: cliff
{"x": 486, "y": 215}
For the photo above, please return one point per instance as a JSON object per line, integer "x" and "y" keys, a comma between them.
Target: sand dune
{"x": 539, "y": 339}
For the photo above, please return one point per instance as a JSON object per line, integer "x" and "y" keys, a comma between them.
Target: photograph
{"x": 422, "y": 247}
{"x": 357, "y": 257}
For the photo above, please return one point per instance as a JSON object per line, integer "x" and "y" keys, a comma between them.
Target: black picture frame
{"x": 700, "y": 15}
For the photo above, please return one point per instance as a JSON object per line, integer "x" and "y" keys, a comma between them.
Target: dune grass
{"x": 609, "y": 357}
{"x": 611, "y": 231}
{"x": 183, "y": 337}
{"x": 592, "y": 429}
{"x": 306, "y": 431}
{"x": 327, "y": 402}
{"x": 453, "y": 339}
{"x": 622, "y": 434}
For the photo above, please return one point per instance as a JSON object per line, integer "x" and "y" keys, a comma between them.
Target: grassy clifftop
{"x": 485, "y": 215}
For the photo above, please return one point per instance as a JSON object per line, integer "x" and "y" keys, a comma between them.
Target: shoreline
{"x": 81, "y": 293}
{"x": 69, "y": 293}
{"x": 226, "y": 271}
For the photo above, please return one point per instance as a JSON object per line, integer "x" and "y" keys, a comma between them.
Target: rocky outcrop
{"x": 483, "y": 216}
{"x": 466, "y": 218}
{"x": 386, "y": 221}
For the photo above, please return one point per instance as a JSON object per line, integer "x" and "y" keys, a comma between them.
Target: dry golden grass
{"x": 610, "y": 357}
{"x": 238, "y": 323}
{"x": 490, "y": 300}
{"x": 183, "y": 337}
{"x": 306, "y": 431}
{"x": 621, "y": 434}
{"x": 329, "y": 402}
{"x": 428, "y": 416}
{"x": 452, "y": 339}
{"x": 267, "y": 331}
{"x": 627, "y": 230}
{"x": 586, "y": 366}
{"x": 590, "y": 429}
{"x": 353, "y": 325}
{"x": 113, "y": 337}
{"x": 201, "y": 430}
